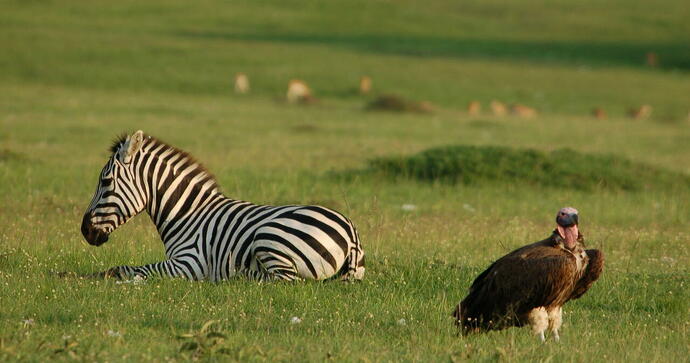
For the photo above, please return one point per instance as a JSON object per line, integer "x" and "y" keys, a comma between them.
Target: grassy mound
{"x": 399, "y": 104}
{"x": 564, "y": 168}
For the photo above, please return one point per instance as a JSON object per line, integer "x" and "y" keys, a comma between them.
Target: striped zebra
{"x": 207, "y": 235}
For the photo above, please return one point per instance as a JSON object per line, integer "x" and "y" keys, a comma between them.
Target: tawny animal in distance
{"x": 531, "y": 284}
{"x": 299, "y": 92}
{"x": 241, "y": 83}
{"x": 652, "y": 59}
{"x": 498, "y": 108}
{"x": 364, "y": 85}
{"x": 522, "y": 111}
{"x": 599, "y": 113}
{"x": 474, "y": 108}
{"x": 640, "y": 113}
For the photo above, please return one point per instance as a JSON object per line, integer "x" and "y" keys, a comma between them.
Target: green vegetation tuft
{"x": 9, "y": 155}
{"x": 563, "y": 168}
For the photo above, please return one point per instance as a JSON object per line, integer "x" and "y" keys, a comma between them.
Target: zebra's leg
{"x": 267, "y": 276}
{"x": 117, "y": 272}
{"x": 272, "y": 266}
{"x": 167, "y": 268}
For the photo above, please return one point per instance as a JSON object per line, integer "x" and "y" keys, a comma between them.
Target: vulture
{"x": 531, "y": 284}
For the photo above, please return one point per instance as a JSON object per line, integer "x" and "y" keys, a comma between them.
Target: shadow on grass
{"x": 672, "y": 55}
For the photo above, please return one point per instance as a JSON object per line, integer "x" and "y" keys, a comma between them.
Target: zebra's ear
{"x": 131, "y": 146}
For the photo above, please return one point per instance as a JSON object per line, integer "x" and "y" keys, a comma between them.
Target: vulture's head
{"x": 566, "y": 219}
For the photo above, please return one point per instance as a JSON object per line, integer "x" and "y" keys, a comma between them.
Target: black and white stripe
{"x": 207, "y": 235}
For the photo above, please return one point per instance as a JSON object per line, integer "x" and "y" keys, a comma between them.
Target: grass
{"x": 73, "y": 76}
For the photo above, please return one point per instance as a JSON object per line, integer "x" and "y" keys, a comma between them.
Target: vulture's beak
{"x": 567, "y": 219}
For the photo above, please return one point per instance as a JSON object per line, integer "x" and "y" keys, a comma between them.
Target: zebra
{"x": 208, "y": 236}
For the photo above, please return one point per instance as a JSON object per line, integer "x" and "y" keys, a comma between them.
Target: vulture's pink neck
{"x": 569, "y": 235}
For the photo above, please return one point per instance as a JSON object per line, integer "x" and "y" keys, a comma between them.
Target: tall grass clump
{"x": 559, "y": 168}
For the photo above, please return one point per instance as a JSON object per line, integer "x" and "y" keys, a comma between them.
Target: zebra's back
{"x": 309, "y": 242}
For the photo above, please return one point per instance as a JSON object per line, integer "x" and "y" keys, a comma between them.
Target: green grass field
{"x": 74, "y": 75}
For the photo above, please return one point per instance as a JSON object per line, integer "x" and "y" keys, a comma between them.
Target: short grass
{"x": 74, "y": 75}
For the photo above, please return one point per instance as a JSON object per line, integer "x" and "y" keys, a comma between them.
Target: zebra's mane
{"x": 188, "y": 159}
{"x": 119, "y": 141}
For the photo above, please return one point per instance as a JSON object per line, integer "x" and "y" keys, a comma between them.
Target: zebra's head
{"x": 119, "y": 196}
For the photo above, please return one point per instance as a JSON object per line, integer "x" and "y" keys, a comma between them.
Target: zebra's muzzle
{"x": 92, "y": 235}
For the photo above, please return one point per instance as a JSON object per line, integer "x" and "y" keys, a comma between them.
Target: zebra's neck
{"x": 178, "y": 187}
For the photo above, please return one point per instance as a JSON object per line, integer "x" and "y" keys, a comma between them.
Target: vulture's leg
{"x": 555, "y": 321}
{"x": 539, "y": 321}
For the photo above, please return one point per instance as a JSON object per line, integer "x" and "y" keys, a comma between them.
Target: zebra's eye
{"x": 106, "y": 181}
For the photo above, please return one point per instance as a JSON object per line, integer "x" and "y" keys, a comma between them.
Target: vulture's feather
{"x": 594, "y": 267}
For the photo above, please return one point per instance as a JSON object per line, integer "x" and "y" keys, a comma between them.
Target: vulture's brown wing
{"x": 514, "y": 285}
{"x": 592, "y": 272}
